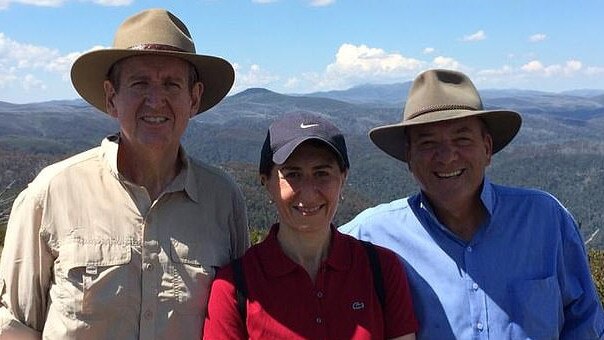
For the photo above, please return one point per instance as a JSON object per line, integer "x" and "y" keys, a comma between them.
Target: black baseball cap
{"x": 292, "y": 129}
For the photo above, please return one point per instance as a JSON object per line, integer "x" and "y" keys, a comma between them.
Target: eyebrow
{"x": 318, "y": 167}
{"x": 463, "y": 129}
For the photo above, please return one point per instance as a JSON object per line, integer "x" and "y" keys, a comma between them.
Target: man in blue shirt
{"x": 484, "y": 261}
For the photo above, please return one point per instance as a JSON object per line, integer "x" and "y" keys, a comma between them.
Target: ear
{"x": 196, "y": 92}
{"x": 344, "y": 177}
{"x": 110, "y": 94}
{"x": 488, "y": 143}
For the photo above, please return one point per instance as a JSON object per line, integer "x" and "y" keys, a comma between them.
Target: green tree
{"x": 596, "y": 262}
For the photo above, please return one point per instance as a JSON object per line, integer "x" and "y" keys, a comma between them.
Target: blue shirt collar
{"x": 487, "y": 196}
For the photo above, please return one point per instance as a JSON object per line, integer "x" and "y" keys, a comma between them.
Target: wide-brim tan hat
{"x": 151, "y": 32}
{"x": 439, "y": 95}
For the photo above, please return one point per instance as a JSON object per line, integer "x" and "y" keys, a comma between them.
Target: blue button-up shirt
{"x": 524, "y": 274}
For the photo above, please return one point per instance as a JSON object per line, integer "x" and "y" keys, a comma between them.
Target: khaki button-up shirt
{"x": 88, "y": 255}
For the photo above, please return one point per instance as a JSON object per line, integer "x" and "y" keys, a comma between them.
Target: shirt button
{"x": 319, "y": 320}
{"x": 474, "y": 286}
{"x": 148, "y": 266}
{"x": 480, "y": 326}
{"x": 148, "y": 314}
{"x": 319, "y": 294}
{"x": 469, "y": 249}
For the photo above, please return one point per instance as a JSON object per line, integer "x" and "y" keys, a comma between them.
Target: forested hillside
{"x": 560, "y": 147}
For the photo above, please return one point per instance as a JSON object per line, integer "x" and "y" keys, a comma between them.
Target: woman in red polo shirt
{"x": 306, "y": 280}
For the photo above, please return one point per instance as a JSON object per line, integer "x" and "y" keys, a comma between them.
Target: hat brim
{"x": 502, "y": 125}
{"x": 90, "y": 70}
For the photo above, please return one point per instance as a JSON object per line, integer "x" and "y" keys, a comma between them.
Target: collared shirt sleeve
{"x": 241, "y": 238}
{"x": 583, "y": 314}
{"x": 25, "y": 269}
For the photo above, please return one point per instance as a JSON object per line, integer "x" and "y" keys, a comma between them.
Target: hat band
{"x": 159, "y": 47}
{"x": 433, "y": 108}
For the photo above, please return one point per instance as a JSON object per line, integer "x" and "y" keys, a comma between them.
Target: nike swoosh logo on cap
{"x": 305, "y": 126}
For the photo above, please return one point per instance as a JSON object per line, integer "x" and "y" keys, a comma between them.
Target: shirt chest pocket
{"x": 537, "y": 308}
{"x": 193, "y": 268}
{"x": 94, "y": 277}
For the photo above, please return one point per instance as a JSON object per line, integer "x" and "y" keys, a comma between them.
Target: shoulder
{"x": 380, "y": 215}
{"x": 65, "y": 169}
{"x": 526, "y": 196}
{"x": 384, "y": 209}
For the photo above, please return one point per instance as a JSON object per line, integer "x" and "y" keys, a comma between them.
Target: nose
{"x": 155, "y": 96}
{"x": 308, "y": 187}
{"x": 445, "y": 153}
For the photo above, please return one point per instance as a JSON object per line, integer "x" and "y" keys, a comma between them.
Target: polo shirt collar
{"x": 276, "y": 263}
{"x": 184, "y": 181}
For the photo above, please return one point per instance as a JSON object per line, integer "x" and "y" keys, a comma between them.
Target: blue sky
{"x": 301, "y": 46}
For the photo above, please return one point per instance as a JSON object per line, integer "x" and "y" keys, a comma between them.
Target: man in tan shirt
{"x": 122, "y": 241}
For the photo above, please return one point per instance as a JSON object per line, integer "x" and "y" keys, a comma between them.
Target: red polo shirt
{"x": 283, "y": 302}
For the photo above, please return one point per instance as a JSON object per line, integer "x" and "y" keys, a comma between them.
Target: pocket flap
{"x": 98, "y": 253}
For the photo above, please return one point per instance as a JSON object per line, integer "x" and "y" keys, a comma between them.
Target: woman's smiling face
{"x": 306, "y": 188}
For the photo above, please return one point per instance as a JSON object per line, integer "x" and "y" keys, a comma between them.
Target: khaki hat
{"x": 151, "y": 32}
{"x": 439, "y": 95}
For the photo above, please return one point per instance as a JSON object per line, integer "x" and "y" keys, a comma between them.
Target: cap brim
{"x": 90, "y": 70}
{"x": 281, "y": 155}
{"x": 503, "y": 125}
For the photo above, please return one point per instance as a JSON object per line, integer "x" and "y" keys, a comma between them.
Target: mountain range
{"x": 560, "y": 147}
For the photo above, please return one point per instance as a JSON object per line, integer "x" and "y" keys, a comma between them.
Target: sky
{"x": 303, "y": 46}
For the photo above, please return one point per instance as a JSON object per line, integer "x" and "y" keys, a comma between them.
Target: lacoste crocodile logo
{"x": 358, "y": 305}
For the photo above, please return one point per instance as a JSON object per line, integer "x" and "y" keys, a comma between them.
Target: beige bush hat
{"x": 155, "y": 32}
{"x": 438, "y": 95}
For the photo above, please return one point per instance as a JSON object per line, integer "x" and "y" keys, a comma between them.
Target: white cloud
{"x": 113, "y": 3}
{"x": 30, "y": 82}
{"x": 6, "y": 78}
{"x": 503, "y": 71}
{"x": 445, "y": 62}
{"x": 362, "y": 64}
{"x": 533, "y": 66}
{"x": 537, "y": 37}
{"x": 480, "y": 35}
{"x": 25, "y": 55}
{"x": 254, "y": 76}
{"x": 570, "y": 68}
{"x": 321, "y": 3}
{"x": 428, "y": 50}
{"x": 594, "y": 71}
{"x": 292, "y": 83}
{"x": 4, "y": 4}
{"x": 29, "y": 67}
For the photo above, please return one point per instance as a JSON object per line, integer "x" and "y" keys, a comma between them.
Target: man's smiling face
{"x": 449, "y": 158}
